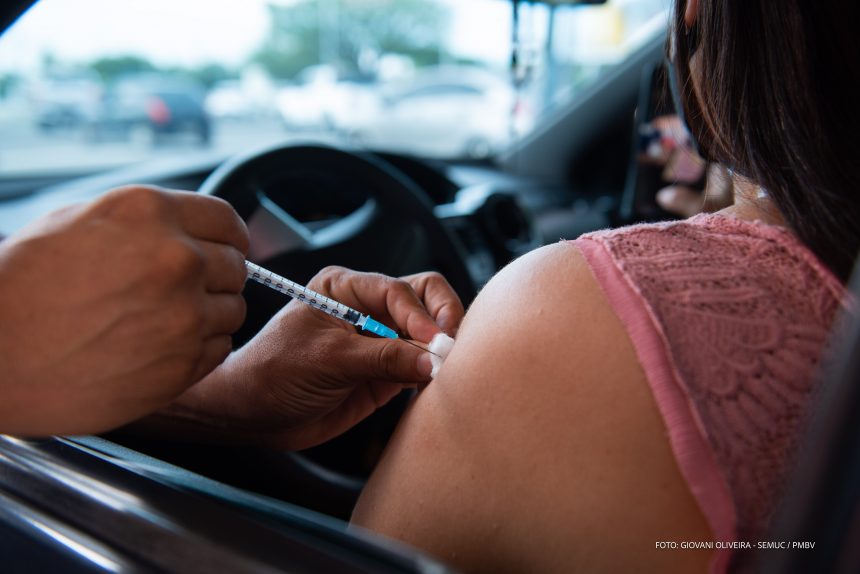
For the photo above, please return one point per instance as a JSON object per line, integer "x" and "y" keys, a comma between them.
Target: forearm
{"x": 227, "y": 406}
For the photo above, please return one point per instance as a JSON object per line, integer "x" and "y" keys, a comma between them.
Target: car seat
{"x": 821, "y": 504}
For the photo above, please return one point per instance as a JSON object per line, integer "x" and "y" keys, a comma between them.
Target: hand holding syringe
{"x": 320, "y": 302}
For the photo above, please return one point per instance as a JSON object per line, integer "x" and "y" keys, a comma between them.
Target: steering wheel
{"x": 385, "y": 224}
{"x": 257, "y": 185}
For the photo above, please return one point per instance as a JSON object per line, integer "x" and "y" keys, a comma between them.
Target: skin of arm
{"x": 539, "y": 446}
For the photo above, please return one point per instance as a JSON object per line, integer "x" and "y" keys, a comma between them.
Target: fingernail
{"x": 425, "y": 365}
{"x": 666, "y": 196}
{"x": 443, "y": 321}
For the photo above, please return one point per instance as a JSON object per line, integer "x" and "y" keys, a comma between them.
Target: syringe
{"x": 318, "y": 301}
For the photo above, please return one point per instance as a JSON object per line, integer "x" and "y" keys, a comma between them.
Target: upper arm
{"x": 539, "y": 445}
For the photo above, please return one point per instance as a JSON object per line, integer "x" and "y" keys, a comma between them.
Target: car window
{"x": 441, "y": 91}
{"x": 92, "y": 84}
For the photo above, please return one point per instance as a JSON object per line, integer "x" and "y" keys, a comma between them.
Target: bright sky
{"x": 189, "y": 32}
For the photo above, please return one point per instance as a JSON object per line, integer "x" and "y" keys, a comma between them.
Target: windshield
{"x": 93, "y": 84}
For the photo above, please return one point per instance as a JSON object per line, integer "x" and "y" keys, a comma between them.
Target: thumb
{"x": 390, "y": 360}
{"x": 681, "y": 200}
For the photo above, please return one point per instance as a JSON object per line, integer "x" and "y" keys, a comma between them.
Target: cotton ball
{"x": 440, "y": 346}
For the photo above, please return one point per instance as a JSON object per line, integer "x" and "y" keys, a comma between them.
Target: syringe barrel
{"x": 302, "y": 293}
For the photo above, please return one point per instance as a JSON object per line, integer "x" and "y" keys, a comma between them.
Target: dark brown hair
{"x": 778, "y": 81}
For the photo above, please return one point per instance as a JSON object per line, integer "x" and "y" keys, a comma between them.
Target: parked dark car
{"x": 66, "y": 102}
{"x": 151, "y": 110}
{"x": 59, "y": 116}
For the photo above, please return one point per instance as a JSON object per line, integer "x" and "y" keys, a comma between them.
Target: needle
{"x": 414, "y": 344}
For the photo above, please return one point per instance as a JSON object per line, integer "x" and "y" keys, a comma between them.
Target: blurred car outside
{"x": 65, "y": 101}
{"x": 228, "y": 100}
{"x": 251, "y": 96}
{"x": 323, "y": 98}
{"x": 443, "y": 111}
{"x": 151, "y": 109}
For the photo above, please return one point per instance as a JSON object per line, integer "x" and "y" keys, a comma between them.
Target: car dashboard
{"x": 495, "y": 216}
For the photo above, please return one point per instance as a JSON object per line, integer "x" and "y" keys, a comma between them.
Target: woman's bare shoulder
{"x": 539, "y": 445}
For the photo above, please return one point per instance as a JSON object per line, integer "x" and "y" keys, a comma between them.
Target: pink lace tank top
{"x": 728, "y": 319}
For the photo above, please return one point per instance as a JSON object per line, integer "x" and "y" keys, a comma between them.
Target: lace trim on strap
{"x": 742, "y": 311}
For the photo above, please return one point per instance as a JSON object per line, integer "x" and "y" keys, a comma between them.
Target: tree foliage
{"x": 112, "y": 67}
{"x": 8, "y": 82}
{"x": 341, "y": 32}
{"x": 209, "y": 74}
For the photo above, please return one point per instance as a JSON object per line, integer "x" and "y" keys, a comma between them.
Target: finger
{"x": 224, "y": 267}
{"x": 390, "y": 301}
{"x": 223, "y": 314}
{"x": 668, "y": 123}
{"x": 388, "y": 360}
{"x": 215, "y": 350}
{"x": 440, "y": 300}
{"x": 681, "y": 200}
{"x": 409, "y": 312}
{"x": 211, "y": 219}
{"x": 719, "y": 189}
{"x": 684, "y": 166}
{"x": 361, "y": 403}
